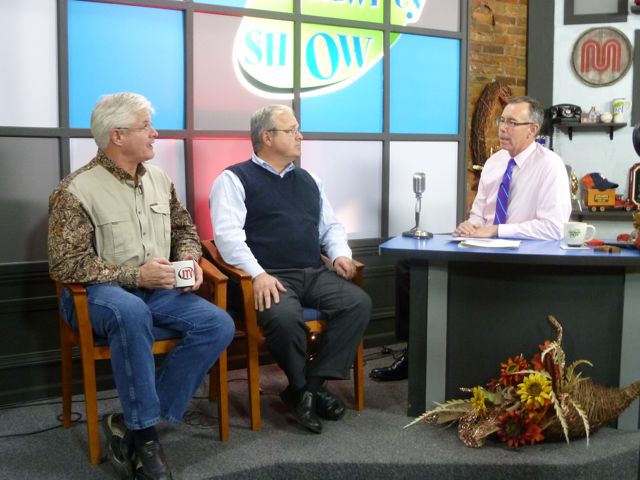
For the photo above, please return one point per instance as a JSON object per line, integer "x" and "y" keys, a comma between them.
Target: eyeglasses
{"x": 510, "y": 123}
{"x": 147, "y": 127}
{"x": 291, "y": 131}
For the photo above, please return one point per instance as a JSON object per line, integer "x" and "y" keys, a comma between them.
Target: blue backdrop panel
{"x": 228, "y": 3}
{"x": 425, "y": 85}
{"x": 123, "y": 48}
{"x": 356, "y": 108}
{"x": 273, "y": 5}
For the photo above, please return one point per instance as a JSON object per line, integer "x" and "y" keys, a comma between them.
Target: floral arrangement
{"x": 533, "y": 400}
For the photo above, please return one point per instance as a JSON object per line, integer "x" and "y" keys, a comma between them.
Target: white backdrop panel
{"x": 351, "y": 172}
{"x": 439, "y": 162}
{"x": 28, "y": 64}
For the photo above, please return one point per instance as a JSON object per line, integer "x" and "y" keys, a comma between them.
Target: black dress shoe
{"x": 328, "y": 405}
{"x": 398, "y": 370}
{"x": 152, "y": 464}
{"x": 303, "y": 407}
{"x": 119, "y": 445}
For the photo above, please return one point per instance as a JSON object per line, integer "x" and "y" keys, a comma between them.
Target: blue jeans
{"x": 126, "y": 317}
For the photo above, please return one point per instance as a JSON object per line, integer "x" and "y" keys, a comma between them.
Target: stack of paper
{"x": 489, "y": 243}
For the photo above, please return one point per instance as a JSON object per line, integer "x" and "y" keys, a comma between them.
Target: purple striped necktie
{"x": 503, "y": 195}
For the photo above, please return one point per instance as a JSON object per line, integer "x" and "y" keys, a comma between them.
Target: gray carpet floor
{"x": 363, "y": 445}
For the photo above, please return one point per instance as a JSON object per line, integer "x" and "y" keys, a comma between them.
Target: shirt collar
{"x": 522, "y": 157}
{"x": 267, "y": 166}
{"x": 116, "y": 171}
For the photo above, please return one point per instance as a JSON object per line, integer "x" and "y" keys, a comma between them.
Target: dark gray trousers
{"x": 348, "y": 310}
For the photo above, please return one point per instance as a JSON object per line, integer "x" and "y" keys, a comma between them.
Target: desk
{"x": 472, "y": 308}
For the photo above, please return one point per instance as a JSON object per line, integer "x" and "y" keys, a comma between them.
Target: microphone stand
{"x": 418, "y": 189}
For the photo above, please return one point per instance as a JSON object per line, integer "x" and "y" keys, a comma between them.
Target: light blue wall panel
{"x": 425, "y": 85}
{"x": 355, "y": 108}
{"x": 123, "y": 48}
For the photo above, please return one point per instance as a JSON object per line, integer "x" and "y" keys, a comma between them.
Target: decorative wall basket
{"x": 490, "y": 104}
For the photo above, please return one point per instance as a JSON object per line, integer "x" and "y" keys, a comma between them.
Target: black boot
{"x": 398, "y": 370}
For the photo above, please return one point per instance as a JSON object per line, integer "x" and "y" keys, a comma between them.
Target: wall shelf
{"x": 569, "y": 128}
{"x": 615, "y": 215}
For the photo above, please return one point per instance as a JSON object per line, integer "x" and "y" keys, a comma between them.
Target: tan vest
{"x": 132, "y": 224}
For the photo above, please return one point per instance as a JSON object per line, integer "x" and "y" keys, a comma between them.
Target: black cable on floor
{"x": 40, "y": 403}
{"x": 75, "y": 419}
{"x": 384, "y": 352}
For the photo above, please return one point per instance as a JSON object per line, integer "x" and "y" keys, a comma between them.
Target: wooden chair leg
{"x": 213, "y": 383}
{"x": 66, "y": 365}
{"x": 253, "y": 372}
{"x": 219, "y": 380}
{"x": 91, "y": 403}
{"x": 358, "y": 376}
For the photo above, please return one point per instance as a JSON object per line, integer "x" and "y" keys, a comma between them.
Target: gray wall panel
{"x": 30, "y": 171}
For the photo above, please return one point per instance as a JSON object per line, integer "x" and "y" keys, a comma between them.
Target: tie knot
{"x": 508, "y": 170}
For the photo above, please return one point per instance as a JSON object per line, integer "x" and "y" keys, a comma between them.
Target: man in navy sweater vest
{"x": 273, "y": 220}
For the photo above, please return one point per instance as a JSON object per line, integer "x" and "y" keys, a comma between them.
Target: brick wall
{"x": 497, "y": 51}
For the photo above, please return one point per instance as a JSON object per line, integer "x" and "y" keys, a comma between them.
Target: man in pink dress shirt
{"x": 539, "y": 196}
{"x": 539, "y": 202}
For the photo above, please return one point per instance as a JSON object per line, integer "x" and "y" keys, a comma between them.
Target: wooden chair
{"x": 96, "y": 348}
{"x": 247, "y": 320}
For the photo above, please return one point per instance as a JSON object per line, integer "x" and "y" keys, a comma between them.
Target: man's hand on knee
{"x": 266, "y": 286}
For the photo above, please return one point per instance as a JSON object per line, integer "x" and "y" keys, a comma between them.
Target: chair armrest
{"x": 81, "y": 307}
{"x": 242, "y": 278}
{"x": 211, "y": 252}
{"x": 358, "y": 278}
{"x": 217, "y": 282}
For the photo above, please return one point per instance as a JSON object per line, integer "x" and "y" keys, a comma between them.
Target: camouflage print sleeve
{"x": 72, "y": 256}
{"x": 184, "y": 237}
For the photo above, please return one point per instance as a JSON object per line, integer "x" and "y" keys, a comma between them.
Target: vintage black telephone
{"x": 565, "y": 113}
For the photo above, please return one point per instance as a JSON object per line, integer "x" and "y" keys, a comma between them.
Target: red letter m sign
{"x": 600, "y": 57}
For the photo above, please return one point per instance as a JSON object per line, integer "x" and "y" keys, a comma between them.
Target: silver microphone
{"x": 419, "y": 183}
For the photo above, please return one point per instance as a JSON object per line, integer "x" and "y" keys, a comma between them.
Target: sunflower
{"x": 509, "y": 369}
{"x": 534, "y": 390}
{"x": 478, "y": 402}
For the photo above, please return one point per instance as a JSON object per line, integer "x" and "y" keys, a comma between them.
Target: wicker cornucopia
{"x": 532, "y": 401}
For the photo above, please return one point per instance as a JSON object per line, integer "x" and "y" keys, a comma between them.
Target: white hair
{"x": 116, "y": 110}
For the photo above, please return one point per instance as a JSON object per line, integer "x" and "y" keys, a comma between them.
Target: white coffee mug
{"x": 576, "y": 233}
{"x": 620, "y": 107}
{"x": 185, "y": 273}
